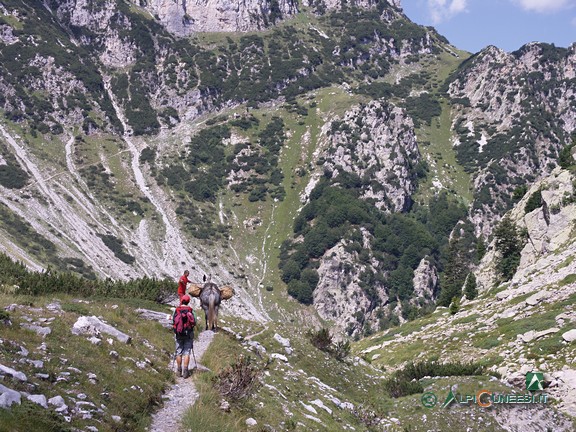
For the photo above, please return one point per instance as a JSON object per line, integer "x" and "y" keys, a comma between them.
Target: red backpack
{"x": 183, "y": 321}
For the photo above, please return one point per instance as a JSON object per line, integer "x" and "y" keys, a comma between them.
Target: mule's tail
{"x": 211, "y": 313}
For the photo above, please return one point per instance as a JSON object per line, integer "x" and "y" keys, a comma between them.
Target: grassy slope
{"x": 435, "y": 140}
{"x": 124, "y": 388}
{"x": 263, "y": 243}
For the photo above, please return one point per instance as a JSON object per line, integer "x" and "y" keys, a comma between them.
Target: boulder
{"x": 534, "y": 299}
{"x": 531, "y": 335}
{"x": 320, "y": 404}
{"x": 569, "y": 336}
{"x": 39, "y": 330}
{"x": 162, "y": 317}
{"x": 5, "y": 370}
{"x": 279, "y": 357}
{"x": 284, "y": 342}
{"x": 94, "y": 326}
{"x": 8, "y": 397}
{"x": 38, "y": 399}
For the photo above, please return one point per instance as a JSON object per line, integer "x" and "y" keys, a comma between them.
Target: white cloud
{"x": 442, "y": 10}
{"x": 544, "y": 5}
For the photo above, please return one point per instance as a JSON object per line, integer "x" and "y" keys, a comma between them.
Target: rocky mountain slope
{"x": 321, "y": 149}
{"x": 526, "y": 324}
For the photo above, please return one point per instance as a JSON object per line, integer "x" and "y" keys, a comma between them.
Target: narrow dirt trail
{"x": 183, "y": 393}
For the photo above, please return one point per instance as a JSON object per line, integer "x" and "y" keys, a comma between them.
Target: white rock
{"x": 536, "y": 298}
{"x": 5, "y": 370}
{"x": 251, "y": 422}
{"x": 59, "y": 403}
{"x": 320, "y": 404}
{"x": 531, "y": 335}
{"x": 316, "y": 419}
{"x": 39, "y": 330}
{"x": 569, "y": 336}
{"x": 94, "y": 326}
{"x": 38, "y": 364}
{"x": 309, "y": 408}
{"x": 279, "y": 357}
{"x": 38, "y": 399}
{"x": 225, "y": 405}
{"x": 281, "y": 340}
{"x": 8, "y": 397}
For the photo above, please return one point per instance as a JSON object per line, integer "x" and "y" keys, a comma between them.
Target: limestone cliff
{"x": 377, "y": 143}
{"x": 550, "y": 236}
{"x": 513, "y": 113}
{"x": 183, "y": 18}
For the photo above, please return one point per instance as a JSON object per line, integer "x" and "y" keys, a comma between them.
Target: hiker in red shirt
{"x": 182, "y": 284}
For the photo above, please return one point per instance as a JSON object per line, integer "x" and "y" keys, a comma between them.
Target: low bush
{"x": 406, "y": 381}
{"x": 322, "y": 339}
{"x": 239, "y": 380}
{"x": 398, "y": 387}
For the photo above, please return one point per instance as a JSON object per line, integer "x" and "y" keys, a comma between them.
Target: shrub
{"x": 239, "y": 380}
{"x": 300, "y": 291}
{"x": 455, "y": 305}
{"x": 322, "y": 339}
{"x": 534, "y": 202}
{"x": 4, "y": 316}
{"x": 37, "y": 283}
{"x": 115, "y": 245}
{"x": 398, "y": 387}
{"x": 12, "y": 176}
{"x": 341, "y": 350}
{"x": 405, "y": 381}
{"x": 565, "y": 158}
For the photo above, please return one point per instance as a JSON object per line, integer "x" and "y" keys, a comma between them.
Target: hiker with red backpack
{"x": 183, "y": 322}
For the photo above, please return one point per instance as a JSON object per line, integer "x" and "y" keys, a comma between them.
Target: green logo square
{"x": 534, "y": 381}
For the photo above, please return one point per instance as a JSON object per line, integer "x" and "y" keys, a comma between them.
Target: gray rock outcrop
{"x": 377, "y": 143}
{"x": 93, "y": 326}
{"x": 183, "y": 18}
{"x": 8, "y": 397}
{"x": 569, "y": 336}
{"x": 5, "y": 370}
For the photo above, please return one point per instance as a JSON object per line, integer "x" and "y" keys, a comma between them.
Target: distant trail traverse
{"x": 172, "y": 247}
{"x": 58, "y": 211}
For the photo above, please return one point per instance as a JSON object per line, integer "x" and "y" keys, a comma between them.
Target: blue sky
{"x": 508, "y": 24}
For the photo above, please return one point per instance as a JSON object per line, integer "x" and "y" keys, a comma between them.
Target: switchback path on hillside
{"x": 183, "y": 393}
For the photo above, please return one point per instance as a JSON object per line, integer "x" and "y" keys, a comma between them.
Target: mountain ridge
{"x": 173, "y": 143}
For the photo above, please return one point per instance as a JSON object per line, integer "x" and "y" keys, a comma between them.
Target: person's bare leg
{"x": 185, "y": 368}
{"x": 179, "y": 365}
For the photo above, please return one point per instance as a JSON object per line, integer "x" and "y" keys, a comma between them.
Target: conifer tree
{"x": 471, "y": 289}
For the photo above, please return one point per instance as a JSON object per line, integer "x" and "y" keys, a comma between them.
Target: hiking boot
{"x": 179, "y": 372}
{"x": 186, "y": 373}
